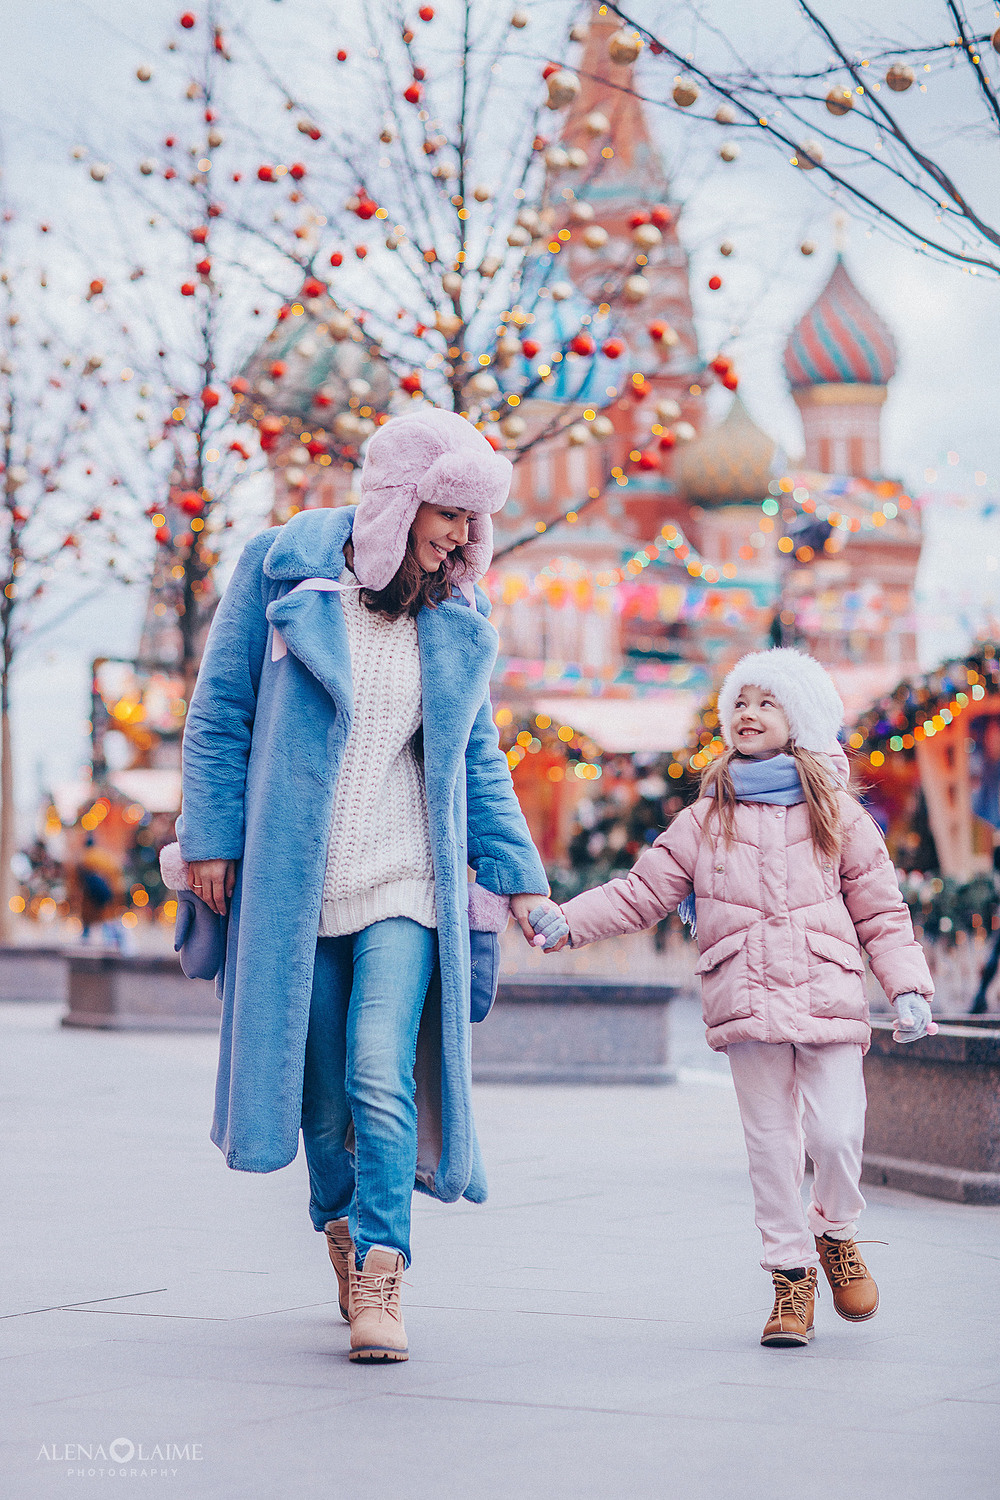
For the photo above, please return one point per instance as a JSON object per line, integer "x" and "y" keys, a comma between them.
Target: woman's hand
{"x": 522, "y": 905}
{"x": 213, "y": 881}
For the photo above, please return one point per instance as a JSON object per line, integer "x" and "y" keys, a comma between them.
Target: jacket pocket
{"x": 725, "y": 986}
{"x": 836, "y": 978}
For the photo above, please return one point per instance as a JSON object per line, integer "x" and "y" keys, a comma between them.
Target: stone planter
{"x": 565, "y": 1029}
{"x": 120, "y": 992}
{"x": 933, "y": 1124}
{"x": 33, "y": 974}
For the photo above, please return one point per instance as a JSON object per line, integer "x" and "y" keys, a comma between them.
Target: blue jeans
{"x": 367, "y": 998}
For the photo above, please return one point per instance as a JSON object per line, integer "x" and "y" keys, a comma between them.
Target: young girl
{"x": 790, "y": 878}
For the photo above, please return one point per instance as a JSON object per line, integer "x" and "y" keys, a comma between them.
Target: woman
{"x": 341, "y": 771}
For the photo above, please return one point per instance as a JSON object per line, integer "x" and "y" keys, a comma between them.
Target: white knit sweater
{"x": 378, "y": 860}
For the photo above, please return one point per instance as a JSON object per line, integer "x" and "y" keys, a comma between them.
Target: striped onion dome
{"x": 841, "y": 340}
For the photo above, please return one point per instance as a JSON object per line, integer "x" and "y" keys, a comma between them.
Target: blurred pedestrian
{"x": 97, "y": 896}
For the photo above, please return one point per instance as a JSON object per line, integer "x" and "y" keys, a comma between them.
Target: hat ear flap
{"x": 478, "y": 551}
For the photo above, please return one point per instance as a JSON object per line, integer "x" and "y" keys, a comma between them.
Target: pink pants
{"x": 796, "y": 1098}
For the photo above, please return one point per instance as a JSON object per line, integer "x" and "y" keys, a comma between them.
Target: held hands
{"x": 550, "y": 927}
{"x": 213, "y": 881}
{"x": 913, "y": 1018}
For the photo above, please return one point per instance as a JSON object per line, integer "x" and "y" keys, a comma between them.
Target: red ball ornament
{"x": 361, "y": 251}
{"x": 237, "y": 176}
{"x": 583, "y": 344}
{"x": 169, "y": 174}
{"x": 410, "y": 383}
{"x": 426, "y": 13}
{"x": 313, "y": 287}
{"x": 321, "y": 399}
{"x": 214, "y": 210}
{"x": 366, "y": 209}
{"x": 639, "y": 217}
{"x": 210, "y": 115}
{"x": 244, "y": 453}
{"x": 265, "y": 173}
{"x": 96, "y": 288}
{"x": 613, "y": 348}
{"x": 657, "y": 330}
{"x": 200, "y": 233}
{"x": 316, "y": 447}
{"x": 170, "y": 141}
{"x": 662, "y": 216}
{"x": 191, "y": 503}
{"x": 209, "y": 398}
{"x": 721, "y": 365}
{"x": 336, "y": 259}
{"x": 549, "y": 69}
{"x": 419, "y": 74}
{"x": 714, "y": 283}
{"x": 297, "y": 170}
{"x": 163, "y": 535}
{"x": 648, "y": 460}
{"x": 187, "y": 288}
{"x": 413, "y": 93}
{"x": 203, "y": 267}
{"x": 492, "y": 439}
{"x": 342, "y": 54}
{"x": 187, "y": 20}
{"x": 278, "y": 369}
{"x": 94, "y": 515}
{"x": 668, "y": 441}
{"x": 283, "y": 312}
{"x": 239, "y": 386}
{"x": 529, "y": 348}
{"x": 731, "y": 381}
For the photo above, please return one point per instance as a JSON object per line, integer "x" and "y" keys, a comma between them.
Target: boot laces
{"x": 845, "y": 1262}
{"x": 377, "y": 1292}
{"x": 791, "y": 1298}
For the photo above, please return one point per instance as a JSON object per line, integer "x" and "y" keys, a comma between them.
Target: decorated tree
{"x": 64, "y": 520}
{"x": 851, "y": 107}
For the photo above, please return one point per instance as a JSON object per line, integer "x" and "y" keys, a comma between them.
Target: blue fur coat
{"x": 262, "y": 746}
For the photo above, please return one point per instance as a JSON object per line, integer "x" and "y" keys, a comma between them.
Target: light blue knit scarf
{"x": 775, "y": 781}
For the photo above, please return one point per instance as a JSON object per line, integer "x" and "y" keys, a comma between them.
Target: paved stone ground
{"x": 590, "y": 1332}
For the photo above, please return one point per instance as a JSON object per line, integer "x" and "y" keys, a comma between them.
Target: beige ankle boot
{"x": 791, "y": 1320}
{"x": 855, "y": 1295}
{"x": 377, "y": 1332}
{"x": 338, "y": 1242}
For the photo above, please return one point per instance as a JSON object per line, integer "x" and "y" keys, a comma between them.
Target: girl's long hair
{"x": 822, "y": 794}
{"x": 410, "y": 589}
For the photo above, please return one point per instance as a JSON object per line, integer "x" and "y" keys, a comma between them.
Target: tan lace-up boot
{"x": 377, "y": 1332}
{"x": 791, "y": 1320}
{"x": 855, "y": 1295}
{"x": 338, "y": 1242}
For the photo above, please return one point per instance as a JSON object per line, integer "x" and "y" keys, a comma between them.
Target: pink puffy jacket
{"x": 778, "y": 924}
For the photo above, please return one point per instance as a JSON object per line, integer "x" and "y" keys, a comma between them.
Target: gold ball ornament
{"x": 483, "y": 385}
{"x": 596, "y": 123}
{"x": 808, "y": 155}
{"x": 729, "y": 151}
{"x": 840, "y": 101}
{"x": 144, "y": 72}
{"x": 215, "y": 137}
{"x": 900, "y": 77}
{"x": 578, "y": 434}
{"x": 668, "y": 411}
{"x": 508, "y": 349}
{"x": 602, "y": 427}
{"x": 563, "y": 88}
{"x": 529, "y": 220}
{"x": 595, "y": 236}
{"x": 512, "y": 427}
{"x": 727, "y": 247}
{"x": 519, "y": 20}
{"x": 685, "y": 93}
{"x": 147, "y": 166}
{"x": 490, "y": 265}
{"x": 579, "y": 32}
{"x": 577, "y": 158}
{"x": 447, "y": 323}
{"x": 561, "y": 291}
{"x": 807, "y": 247}
{"x": 98, "y": 171}
{"x": 646, "y": 236}
{"x": 340, "y": 327}
{"x": 481, "y": 193}
{"x": 684, "y": 432}
{"x": 386, "y": 135}
{"x": 451, "y": 284}
{"x": 636, "y": 289}
{"x": 995, "y": 40}
{"x": 725, "y": 115}
{"x": 556, "y": 159}
{"x": 624, "y": 47}
{"x": 580, "y": 212}
{"x": 518, "y": 236}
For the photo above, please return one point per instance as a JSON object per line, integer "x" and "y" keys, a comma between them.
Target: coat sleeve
{"x": 658, "y": 881}
{"x": 220, "y": 719}
{"x": 879, "y": 913}
{"x": 500, "y": 848}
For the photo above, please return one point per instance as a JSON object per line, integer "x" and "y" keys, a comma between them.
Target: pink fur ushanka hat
{"x": 431, "y": 457}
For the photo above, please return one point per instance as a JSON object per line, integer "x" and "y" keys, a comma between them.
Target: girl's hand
{"x": 522, "y": 905}
{"x": 913, "y": 1018}
{"x": 213, "y": 881}
{"x": 551, "y": 928}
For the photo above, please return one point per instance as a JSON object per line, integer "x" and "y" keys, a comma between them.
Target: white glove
{"x": 913, "y": 1018}
{"x": 549, "y": 924}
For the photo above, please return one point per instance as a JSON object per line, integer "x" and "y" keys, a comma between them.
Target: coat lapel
{"x": 314, "y": 630}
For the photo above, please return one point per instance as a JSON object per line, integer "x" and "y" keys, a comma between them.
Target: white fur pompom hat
{"x": 804, "y": 689}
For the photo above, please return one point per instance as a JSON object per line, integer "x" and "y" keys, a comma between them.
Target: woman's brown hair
{"x": 410, "y": 589}
{"x": 822, "y": 794}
